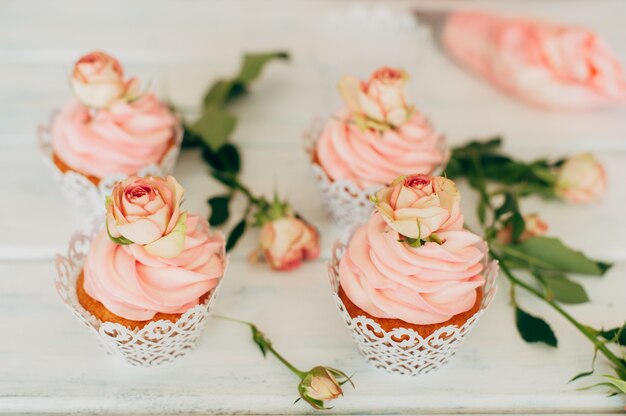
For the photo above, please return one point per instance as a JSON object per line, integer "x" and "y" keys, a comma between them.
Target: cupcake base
{"x": 398, "y": 347}
{"x": 65, "y": 168}
{"x": 149, "y": 343}
{"x": 425, "y": 331}
{"x": 98, "y": 310}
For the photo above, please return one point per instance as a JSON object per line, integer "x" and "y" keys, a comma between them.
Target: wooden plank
{"x": 51, "y": 364}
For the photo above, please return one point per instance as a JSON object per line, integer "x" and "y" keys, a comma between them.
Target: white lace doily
{"x": 157, "y": 343}
{"x": 78, "y": 189}
{"x": 404, "y": 351}
{"x": 345, "y": 201}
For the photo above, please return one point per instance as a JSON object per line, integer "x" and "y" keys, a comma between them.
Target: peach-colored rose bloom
{"x": 287, "y": 241}
{"x": 548, "y": 65}
{"x": 381, "y": 98}
{"x": 581, "y": 179}
{"x": 146, "y": 211}
{"x": 98, "y": 80}
{"x": 417, "y": 206}
{"x": 320, "y": 385}
{"x": 534, "y": 227}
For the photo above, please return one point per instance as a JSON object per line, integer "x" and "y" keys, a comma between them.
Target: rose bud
{"x": 146, "y": 211}
{"x": 534, "y": 227}
{"x": 287, "y": 241}
{"x": 319, "y": 385}
{"x": 581, "y": 179}
{"x": 416, "y": 206}
{"x": 98, "y": 80}
{"x": 381, "y": 99}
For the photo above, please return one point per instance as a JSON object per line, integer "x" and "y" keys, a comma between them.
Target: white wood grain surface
{"x": 50, "y": 364}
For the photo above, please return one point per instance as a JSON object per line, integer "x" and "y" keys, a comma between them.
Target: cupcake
{"x": 108, "y": 131}
{"x": 411, "y": 282}
{"x": 374, "y": 139}
{"x": 146, "y": 282}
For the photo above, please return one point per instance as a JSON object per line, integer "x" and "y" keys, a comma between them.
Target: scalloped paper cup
{"x": 345, "y": 201}
{"x": 87, "y": 196}
{"x": 158, "y": 342}
{"x": 403, "y": 351}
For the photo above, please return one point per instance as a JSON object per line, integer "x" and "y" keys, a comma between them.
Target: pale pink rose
{"x": 98, "y": 80}
{"x": 534, "y": 227}
{"x": 581, "y": 179}
{"x": 381, "y": 99}
{"x": 146, "y": 211}
{"x": 546, "y": 64}
{"x": 287, "y": 241}
{"x": 417, "y": 206}
{"x": 319, "y": 385}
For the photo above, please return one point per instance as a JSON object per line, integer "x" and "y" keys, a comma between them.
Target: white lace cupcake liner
{"x": 345, "y": 201}
{"x": 404, "y": 351}
{"x": 83, "y": 193}
{"x": 158, "y": 342}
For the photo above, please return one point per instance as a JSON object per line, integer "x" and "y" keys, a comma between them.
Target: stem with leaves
{"x": 316, "y": 386}
{"x": 501, "y": 183}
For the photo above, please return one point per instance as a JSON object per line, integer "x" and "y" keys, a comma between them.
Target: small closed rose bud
{"x": 146, "y": 211}
{"x": 534, "y": 227}
{"x": 581, "y": 179}
{"x": 287, "y": 241}
{"x": 381, "y": 99}
{"x": 98, "y": 80}
{"x": 320, "y": 385}
{"x": 417, "y": 206}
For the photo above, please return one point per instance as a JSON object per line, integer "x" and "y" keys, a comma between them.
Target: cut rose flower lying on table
{"x": 286, "y": 239}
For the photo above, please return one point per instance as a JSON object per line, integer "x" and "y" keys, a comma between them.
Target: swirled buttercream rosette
{"x": 81, "y": 190}
{"x": 404, "y": 351}
{"x": 346, "y": 201}
{"x": 158, "y": 342}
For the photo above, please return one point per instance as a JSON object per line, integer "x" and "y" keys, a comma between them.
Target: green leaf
{"x": 226, "y": 160}
{"x": 617, "y": 383}
{"x": 612, "y": 382}
{"x": 219, "y": 210}
{"x": 550, "y": 253}
{"x": 533, "y": 329}
{"x": 518, "y": 224}
{"x": 235, "y": 234}
{"x": 253, "y": 64}
{"x": 225, "y": 90}
{"x": 226, "y": 179}
{"x": 564, "y": 289}
{"x": 190, "y": 139}
{"x": 616, "y": 335}
{"x": 581, "y": 375}
{"x": 259, "y": 339}
{"x": 221, "y": 92}
{"x": 214, "y": 127}
{"x": 229, "y": 158}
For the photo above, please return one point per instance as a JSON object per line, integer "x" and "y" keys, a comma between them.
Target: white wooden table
{"x": 50, "y": 364}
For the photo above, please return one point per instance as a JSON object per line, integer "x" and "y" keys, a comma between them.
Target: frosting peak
{"x": 134, "y": 284}
{"x": 371, "y": 157}
{"x": 123, "y": 138}
{"x": 419, "y": 285}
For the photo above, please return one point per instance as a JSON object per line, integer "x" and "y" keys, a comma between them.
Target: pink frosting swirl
{"x": 419, "y": 285}
{"x": 548, "y": 65}
{"x": 121, "y": 139}
{"x": 136, "y": 285}
{"x": 370, "y": 157}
